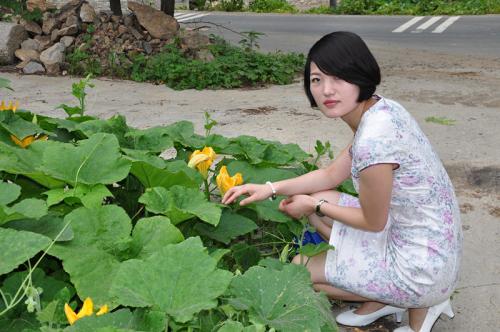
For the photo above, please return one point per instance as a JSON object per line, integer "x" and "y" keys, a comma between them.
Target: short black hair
{"x": 344, "y": 55}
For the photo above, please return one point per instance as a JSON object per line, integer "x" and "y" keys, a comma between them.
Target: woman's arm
{"x": 375, "y": 190}
{"x": 315, "y": 181}
{"x": 318, "y": 180}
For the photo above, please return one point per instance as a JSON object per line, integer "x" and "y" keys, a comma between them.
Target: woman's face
{"x": 334, "y": 96}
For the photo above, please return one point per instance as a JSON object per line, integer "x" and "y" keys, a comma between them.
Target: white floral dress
{"x": 414, "y": 261}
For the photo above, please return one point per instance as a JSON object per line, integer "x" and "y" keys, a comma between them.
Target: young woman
{"x": 398, "y": 246}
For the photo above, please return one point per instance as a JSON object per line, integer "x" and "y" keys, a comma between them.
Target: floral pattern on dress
{"x": 415, "y": 260}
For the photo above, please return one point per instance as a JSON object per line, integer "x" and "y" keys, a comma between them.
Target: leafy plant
{"x": 78, "y": 90}
{"x": 250, "y": 41}
{"x": 271, "y": 6}
{"x": 5, "y": 84}
{"x": 95, "y": 215}
{"x": 440, "y": 120}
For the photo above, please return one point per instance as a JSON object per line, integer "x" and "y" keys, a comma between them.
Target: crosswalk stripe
{"x": 427, "y": 24}
{"x": 181, "y": 15}
{"x": 191, "y": 17}
{"x": 408, "y": 24}
{"x": 443, "y": 26}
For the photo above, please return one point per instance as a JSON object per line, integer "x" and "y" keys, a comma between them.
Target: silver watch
{"x": 318, "y": 207}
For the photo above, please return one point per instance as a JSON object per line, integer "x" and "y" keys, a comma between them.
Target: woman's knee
{"x": 315, "y": 265}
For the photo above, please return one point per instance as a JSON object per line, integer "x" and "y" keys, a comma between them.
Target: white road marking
{"x": 443, "y": 26}
{"x": 427, "y": 24}
{"x": 183, "y": 17}
{"x": 408, "y": 24}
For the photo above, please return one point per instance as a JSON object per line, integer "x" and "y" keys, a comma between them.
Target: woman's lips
{"x": 330, "y": 103}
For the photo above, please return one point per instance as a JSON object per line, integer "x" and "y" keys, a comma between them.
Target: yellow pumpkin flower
{"x": 226, "y": 182}
{"x": 202, "y": 160}
{"x": 87, "y": 310}
{"x": 27, "y": 140}
{"x": 10, "y": 107}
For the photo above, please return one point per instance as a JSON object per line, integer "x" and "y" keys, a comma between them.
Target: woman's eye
{"x": 314, "y": 80}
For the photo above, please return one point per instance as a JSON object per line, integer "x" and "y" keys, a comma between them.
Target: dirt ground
{"x": 461, "y": 88}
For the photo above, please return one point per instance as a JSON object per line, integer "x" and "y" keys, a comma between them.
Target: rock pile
{"x": 76, "y": 25}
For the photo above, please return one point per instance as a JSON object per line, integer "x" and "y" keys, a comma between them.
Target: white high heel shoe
{"x": 431, "y": 317}
{"x": 350, "y": 318}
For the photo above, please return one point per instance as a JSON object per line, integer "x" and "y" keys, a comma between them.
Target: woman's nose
{"x": 328, "y": 87}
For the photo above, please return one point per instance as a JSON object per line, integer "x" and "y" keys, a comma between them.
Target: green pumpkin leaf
{"x": 9, "y": 192}
{"x": 17, "y": 126}
{"x": 93, "y": 161}
{"x": 15, "y": 160}
{"x": 231, "y": 225}
{"x": 152, "y": 234}
{"x": 18, "y": 246}
{"x": 269, "y": 210}
{"x": 173, "y": 173}
{"x": 50, "y": 225}
{"x": 154, "y": 139}
{"x": 180, "y": 279}
{"x": 231, "y": 326}
{"x": 116, "y": 125}
{"x": 101, "y": 236}
{"x": 284, "y": 300}
{"x": 5, "y": 84}
{"x": 181, "y": 203}
{"x": 27, "y": 208}
{"x": 89, "y": 196}
{"x": 121, "y": 320}
{"x": 259, "y": 174}
{"x": 311, "y": 250}
{"x": 144, "y": 156}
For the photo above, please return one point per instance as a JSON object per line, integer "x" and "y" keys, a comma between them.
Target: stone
{"x": 135, "y": 33}
{"x": 156, "y": 22}
{"x": 122, "y": 29}
{"x": 71, "y": 20}
{"x": 49, "y": 25}
{"x": 54, "y": 35}
{"x": 53, "y": 55}
{"x": 31, "y": 26}
{"x": 129, "y": 20}
{"x": 70, "y": 8}
{"x": 44, "y": 42}
{"x": 27, "y": 55}
{"x": 43, "y": 5}
{"x": 68, "y": 31}
{"x": 194, "y": 40}
{"x": 30, "y": 44}
{"x": 147, "y": 47}
{"x": 67, "y": 41}
{"x": 33, "y": 67}
{"x": 53, "y": 69}
{"x": 11, "y": 37}
{"x": 87, "y": 13}
{"x": 205, "y": 55}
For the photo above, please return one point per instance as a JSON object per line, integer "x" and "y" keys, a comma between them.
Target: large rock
{"x": 194, "y": 40}
{"x": 68, "y": 31}
{"x": 49, "y": 24}
{"x": 11, "y": 37}
{"x": 87, "y": 13}
{"x": 158, "y": 24}
{"x": 33, "y": 67}
{"x": 70, "y": 8}
{"x": 31, "y": 26}
{"x": 30, "y": 44}
{"x": 27, "y": 55}
{"x": 67, "y": 41}
{"x": 53, "y": 55}
{"x": 44, "y": 42}
{"x": 43, "y": 5}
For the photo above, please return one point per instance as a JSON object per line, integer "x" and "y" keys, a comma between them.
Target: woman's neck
{"x": 354, "y": 118}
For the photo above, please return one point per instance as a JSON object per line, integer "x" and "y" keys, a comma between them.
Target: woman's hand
{"x": 255, "y": 192}
{"x": 298, "y": 206}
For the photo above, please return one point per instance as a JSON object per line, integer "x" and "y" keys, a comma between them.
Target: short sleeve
{"x": 377, "y": 142}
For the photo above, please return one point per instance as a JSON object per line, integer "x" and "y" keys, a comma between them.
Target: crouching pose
{"x": 398, "y": 246}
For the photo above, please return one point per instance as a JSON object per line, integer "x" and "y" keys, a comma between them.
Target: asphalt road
{"x": 463, "y": 35}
